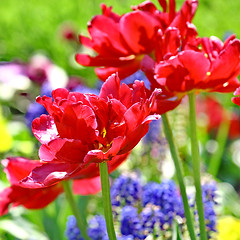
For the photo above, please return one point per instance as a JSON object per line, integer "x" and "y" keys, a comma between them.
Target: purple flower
{"x": 148, "y": 218}
{"x": 153, "y": 135}
{"x": 126, "y": 190}
{"x": 35, "y": 109}
{"x": 130, "y": 222}
{"x": 128, "y": 237}
{"x": 72, "y": 231}
{"x": 166, "y": 197}
{"x": 97, "y": 229}
{"x": 209, "y": 200}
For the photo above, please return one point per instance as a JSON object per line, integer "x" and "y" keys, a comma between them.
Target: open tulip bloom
{"x": 81, "y": 131}
{"x": 165, "y": 45}
{"x": 121, "y": 42}
{"x": 84, "y": 129}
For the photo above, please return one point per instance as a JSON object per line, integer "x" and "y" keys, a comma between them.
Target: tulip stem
{"x": 179, "y": 173}
{"x": 196, "y": 164}
{"x": 107, "y": 205}
{"x": 75, "y": 210}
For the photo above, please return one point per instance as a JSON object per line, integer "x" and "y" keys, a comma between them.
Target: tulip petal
{"x": 134, "y": 136}
{"x": 99, "y": 156}
{"x": 44, "y": 129}
{"x": 123, "y": 71}
{"x": 110, "y": 88}
{"x": 113, "y": 61}
{"x": 48, "y": 174}
{"x": 17, "y": 168}
{"x": 145, "y": 25}
{"x": 63, "y": 150}
{"x": 196, "y": 64}
{"x": 78, "y": 122}
{"x": 29, "y": 198}
{"x": 87, "y": 186}
{"x": 104, "y": 29}
{"x": 228, "y": 60}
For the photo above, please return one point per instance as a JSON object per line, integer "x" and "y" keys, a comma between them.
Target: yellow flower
{"x": 5, "y": 137}
{"x": 228, "y": 228}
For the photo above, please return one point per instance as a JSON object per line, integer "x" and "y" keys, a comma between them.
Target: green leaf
{"x": 177, "y": 235}
{"x": 229, "y": 200}
{"x": 21, "y": 229}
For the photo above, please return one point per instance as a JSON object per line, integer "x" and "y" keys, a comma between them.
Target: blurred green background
{"x": 30, "y": 26}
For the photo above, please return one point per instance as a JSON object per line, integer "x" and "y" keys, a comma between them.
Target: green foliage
{"x": 30, "y": 26}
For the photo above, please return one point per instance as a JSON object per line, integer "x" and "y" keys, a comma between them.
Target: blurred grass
{"x": 218, "y": 17}
{"x": 30, "y": 26}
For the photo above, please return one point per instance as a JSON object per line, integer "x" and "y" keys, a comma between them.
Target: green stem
{"x": 107, "y": 205}
{"x": 179, "y": 173}
{"x": 196, "y": 164}
{"x": 215, "y": 160}
{"x": 75, "y": 210}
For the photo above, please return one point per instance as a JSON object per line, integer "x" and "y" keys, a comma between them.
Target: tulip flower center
{"x": 102, "y": 143}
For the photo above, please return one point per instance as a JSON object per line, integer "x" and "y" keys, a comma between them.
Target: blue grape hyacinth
{"x": 126, "y": 190}
{"x": 151, "y": 213}
{"x": 209, "y": 201}
{"x": 130, "y": 222}
{"x": 165, "y": 196}
{"x": 153, "y": 134}
{"x": 97, "y": 229}
{"x": 72, "y": 231}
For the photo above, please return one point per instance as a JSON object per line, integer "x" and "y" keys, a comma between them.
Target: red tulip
{"x": 122, "y": 41}
{"x": 216, "y": 114}
{"x": 236, "y": 99}
{"x": 82, "y": 130}
{"x": 214, "y": 69}
{"x": 16, "y": 169}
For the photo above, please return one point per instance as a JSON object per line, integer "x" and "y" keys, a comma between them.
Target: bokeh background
{"x": 29, "y": 27}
